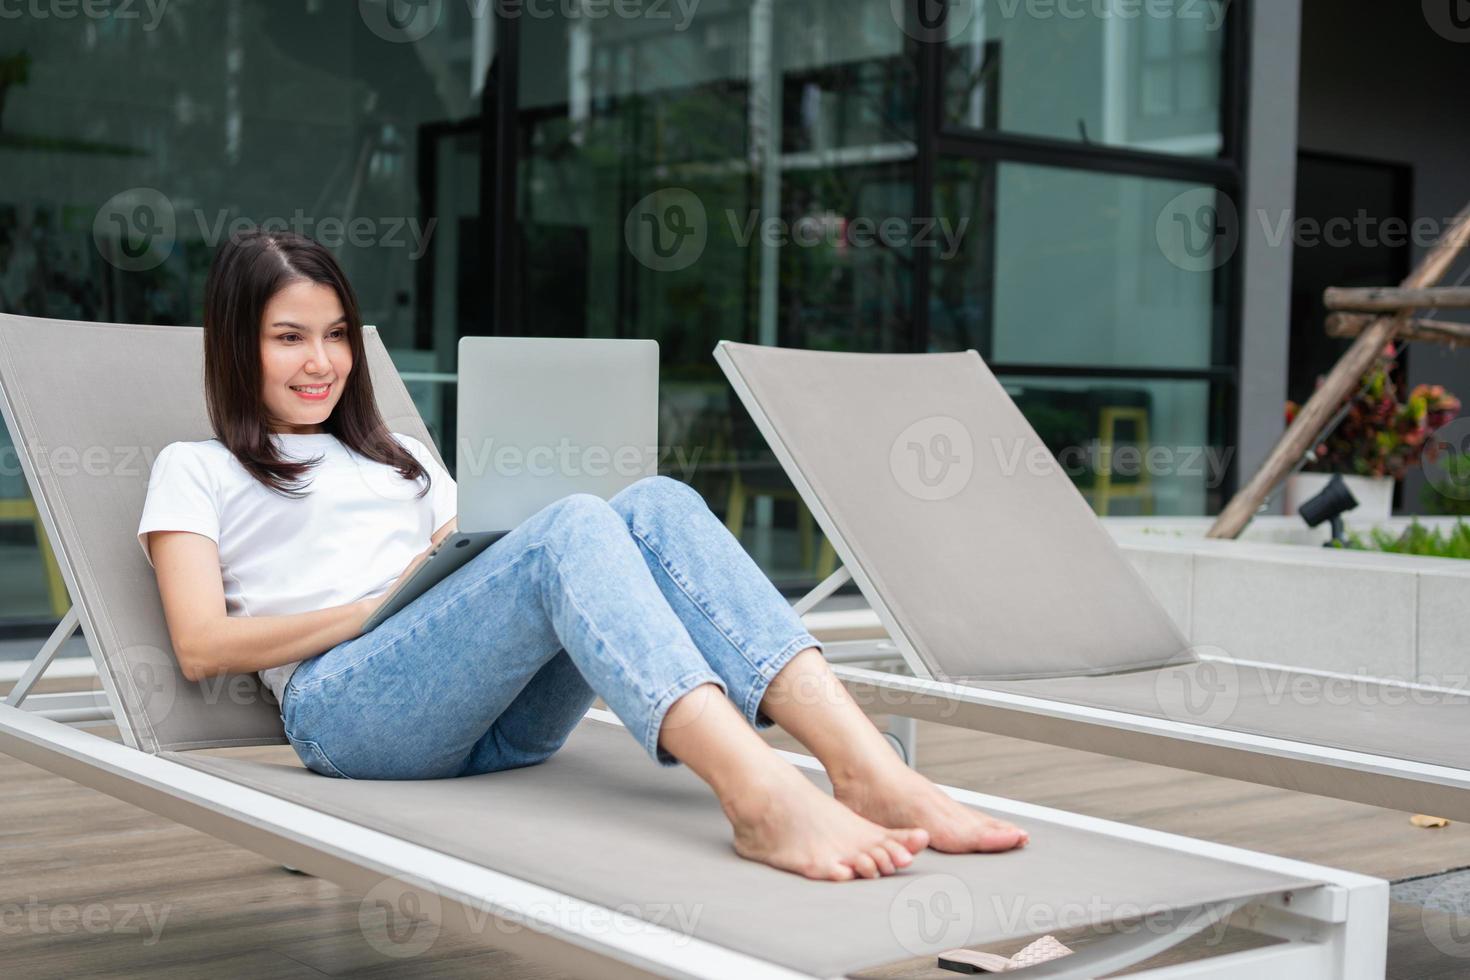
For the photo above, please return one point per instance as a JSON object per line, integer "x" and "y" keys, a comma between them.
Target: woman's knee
{"x": 580, "y": 520}
{"x": 578, "y": 509}
{"x": 657, "y": 494}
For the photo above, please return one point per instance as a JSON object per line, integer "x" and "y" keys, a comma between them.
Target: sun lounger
{"x": 1017, "y": 614}
{"x": 595, "y": 862}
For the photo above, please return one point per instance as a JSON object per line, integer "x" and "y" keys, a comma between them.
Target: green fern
{"x": 1417, "y": 539}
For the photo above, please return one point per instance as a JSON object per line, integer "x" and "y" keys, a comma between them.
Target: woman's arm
{"x": 207, "y": 641}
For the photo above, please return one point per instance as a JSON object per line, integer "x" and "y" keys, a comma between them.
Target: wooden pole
{"x": 1430, "y": 331}
{"x": 1307, "y": 427}
{"x": 1380, "y": 300}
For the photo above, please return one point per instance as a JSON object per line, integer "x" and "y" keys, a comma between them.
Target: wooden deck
{"x": 105, "y": 877}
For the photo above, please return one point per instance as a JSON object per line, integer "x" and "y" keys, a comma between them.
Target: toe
{"x": 863, "y": 864}
{"x": 915, "y": 839}
{"x": 833, "y": 871}
{"x": 997, "y": 839}
{"x": 900, "y": 854}
{"x": 882, "y": 859}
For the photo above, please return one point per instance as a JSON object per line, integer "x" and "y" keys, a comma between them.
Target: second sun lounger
{"x": 1017, "y": 614}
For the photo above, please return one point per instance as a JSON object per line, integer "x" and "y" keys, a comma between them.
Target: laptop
{"x": 539, "y": 418}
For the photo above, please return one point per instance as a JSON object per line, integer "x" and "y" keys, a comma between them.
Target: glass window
{"x": 1110, "y": 72}
{"x": 1132, "y": 446}
{"x": 1069, "y": 267}
{"x": 748, "y": 176}
{"x": 132, "y": 142}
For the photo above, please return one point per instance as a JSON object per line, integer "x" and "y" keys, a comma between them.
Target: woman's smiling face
{"x": 305, "y": 356}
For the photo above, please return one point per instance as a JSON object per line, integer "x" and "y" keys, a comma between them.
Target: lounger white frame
{"x": 1337, "y": 930}
{"x": 1324, "y": 770}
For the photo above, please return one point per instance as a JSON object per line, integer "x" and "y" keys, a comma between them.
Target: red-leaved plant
{"x": 1382, "y": 435}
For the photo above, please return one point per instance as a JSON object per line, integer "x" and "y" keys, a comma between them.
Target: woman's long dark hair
{"x": 247, "y": 271}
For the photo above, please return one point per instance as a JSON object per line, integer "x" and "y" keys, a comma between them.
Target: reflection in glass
{"x": 1065, "y": 267}
{"x": 722, "y": 181}
{"x": 1131, "y": 446}
{"x": 1115, "y": 73}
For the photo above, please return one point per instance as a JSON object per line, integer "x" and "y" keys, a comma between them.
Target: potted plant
{"x": 1380, "y": 438}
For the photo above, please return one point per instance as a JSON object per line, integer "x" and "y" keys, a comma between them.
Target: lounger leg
{"x": 903, "y": 734}
{"x": 43, "y": 657}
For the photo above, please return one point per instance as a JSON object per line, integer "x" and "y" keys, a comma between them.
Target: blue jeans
{"x": 637, "y": 599}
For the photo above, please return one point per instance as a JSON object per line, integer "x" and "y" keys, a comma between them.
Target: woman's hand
{"x": 370, "y": 604}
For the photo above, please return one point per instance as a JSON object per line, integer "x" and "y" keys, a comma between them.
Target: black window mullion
{"x": 929, "y": 59}
{"x": 1222, "y": 373}
{"x": 1011, "y": 148}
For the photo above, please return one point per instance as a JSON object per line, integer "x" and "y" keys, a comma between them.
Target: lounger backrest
{"x": 89, "y": 406}
{"x": 968, "y": 539}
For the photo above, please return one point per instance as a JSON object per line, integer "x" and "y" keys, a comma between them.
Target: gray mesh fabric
{"x": 599, "y": 822}
{"x": 986, "y": 556}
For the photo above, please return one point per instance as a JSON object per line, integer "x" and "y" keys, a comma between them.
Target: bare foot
{"x": 790, "y": 824}
{"x": 893, "y": 795}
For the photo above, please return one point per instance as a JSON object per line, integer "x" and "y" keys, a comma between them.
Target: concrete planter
{"x": 1374, "y": 493}
{"x": 1352, "y": 612}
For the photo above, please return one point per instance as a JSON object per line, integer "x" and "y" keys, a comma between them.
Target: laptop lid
{"x": 544, "y": 417}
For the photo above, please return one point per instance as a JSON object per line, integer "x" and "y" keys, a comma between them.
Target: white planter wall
{"x": 1349, "y": 612}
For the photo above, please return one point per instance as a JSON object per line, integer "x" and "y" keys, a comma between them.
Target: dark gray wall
{"x": 1378, "y": 81}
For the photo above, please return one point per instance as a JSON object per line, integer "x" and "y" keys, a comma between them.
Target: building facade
{"x": 1066, "y": 186}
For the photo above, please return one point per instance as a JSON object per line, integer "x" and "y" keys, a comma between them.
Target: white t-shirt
{"x": 351, "y": 535}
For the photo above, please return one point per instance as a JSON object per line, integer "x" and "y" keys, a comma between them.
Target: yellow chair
{"x": 1104, "y": 491}
{"x": 722, "y": 450}
{"x": 805, "y": 526}
{"x": 24, "y": 509}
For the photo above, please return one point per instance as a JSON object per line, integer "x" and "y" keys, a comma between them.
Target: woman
{"x": 276, "y": 540}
